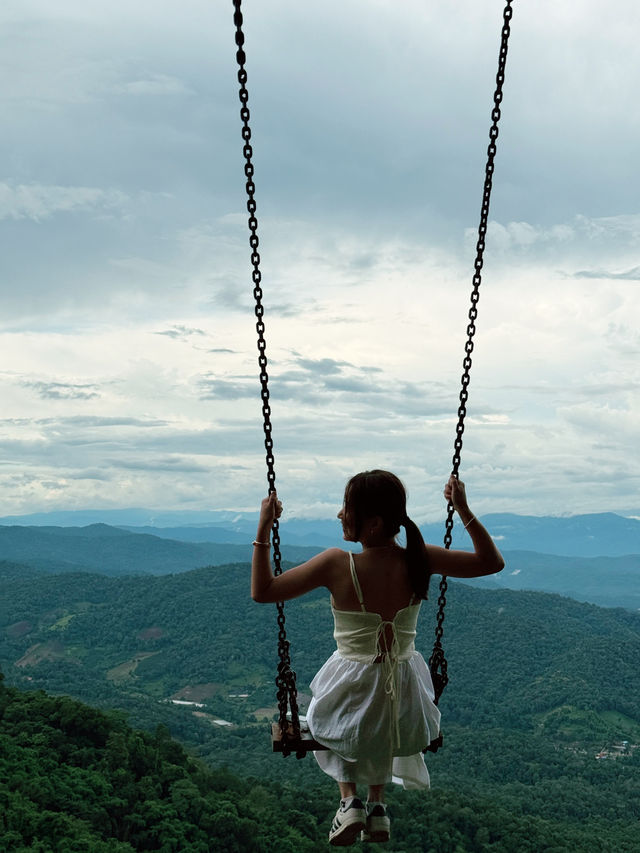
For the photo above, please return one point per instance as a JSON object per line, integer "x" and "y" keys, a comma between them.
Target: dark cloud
{"x": 166, "y": 463}
{"x": 322, "y": 366}
{"x": 288, "y": 309}
{"x": 180, "y": 332}
{"x": 364, "y": 261}
{"x": 95, "y": 421}
{"x": 236, "y": 294}
{"x": 231, "y": 292}
{"x": 351, "y": 384}
{"x": 100, "y": 476}
{"x": 63, "y": 390}
{"x": 629, "y": 275}
{"x": 238, "y": 388}
{"x": 325, "y": 382}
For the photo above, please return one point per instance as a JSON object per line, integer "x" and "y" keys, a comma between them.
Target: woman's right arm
{"x": 267, "y": 588}
{"x": 485, "y": 559}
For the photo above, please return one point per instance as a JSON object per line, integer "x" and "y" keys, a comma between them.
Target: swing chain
{"x": 437, "y": 661}
{"x": 286, "y": 677}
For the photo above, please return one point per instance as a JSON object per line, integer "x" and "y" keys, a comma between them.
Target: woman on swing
{"x": 372, "y": 704}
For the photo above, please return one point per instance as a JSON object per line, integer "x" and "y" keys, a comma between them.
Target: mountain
{"x": 25, "y": 551}
{"x": 161, "y": 634}
{"x": 606, "y": 581}
{"x": 593, "y": 535}
{"x": 311, "y": 534}
{"x": 76, "y": 778}
{"x": 539, "y": 685}
{"x": 113, "y": 551}
{"x": 129, "y": 517}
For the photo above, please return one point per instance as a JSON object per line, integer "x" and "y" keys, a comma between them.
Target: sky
{"x": 129, "y": 372}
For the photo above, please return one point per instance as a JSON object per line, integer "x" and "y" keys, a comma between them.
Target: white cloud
{"x": 581, "y": 236}
{"x": 625, "y": 226}
{"x": 126, "y": 285}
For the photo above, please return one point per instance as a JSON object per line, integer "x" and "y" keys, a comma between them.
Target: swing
{"x": 288, "y": 735}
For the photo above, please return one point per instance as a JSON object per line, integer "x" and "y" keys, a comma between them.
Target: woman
{"x": 372, "y": 704}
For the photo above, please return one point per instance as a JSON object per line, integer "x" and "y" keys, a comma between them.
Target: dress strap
{"x": 356, "y": 582}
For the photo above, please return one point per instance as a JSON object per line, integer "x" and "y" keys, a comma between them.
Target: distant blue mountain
{"x": 606, "y": 581}
{"x": 611, "y": 580}
{"x": 136, "y": 517}
{"x": 601, "y": 534}
{"x": 594, "y": 535}
{"x": 314, "y": 534}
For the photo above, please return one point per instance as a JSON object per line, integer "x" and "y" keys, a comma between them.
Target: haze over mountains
{"x": 593, "y": 535}
{"x": 593, "y": 558}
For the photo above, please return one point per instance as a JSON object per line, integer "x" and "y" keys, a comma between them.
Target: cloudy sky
{"x": 129, "y": 374}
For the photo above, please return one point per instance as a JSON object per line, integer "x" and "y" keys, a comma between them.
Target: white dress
{"x": 372, "y": 709}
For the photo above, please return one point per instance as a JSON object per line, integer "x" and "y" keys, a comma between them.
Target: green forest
{"x": 540, "y": 685}
{"x": 74, "y": 778}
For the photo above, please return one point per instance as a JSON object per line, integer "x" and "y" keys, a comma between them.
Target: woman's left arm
{"x": 485, "y": 559}
{"x": 267, "y": 588}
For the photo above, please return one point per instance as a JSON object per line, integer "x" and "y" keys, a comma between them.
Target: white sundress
{"x": 375, "y": 718}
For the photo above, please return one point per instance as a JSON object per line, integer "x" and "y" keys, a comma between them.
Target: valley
{"x": 540, "y": 717}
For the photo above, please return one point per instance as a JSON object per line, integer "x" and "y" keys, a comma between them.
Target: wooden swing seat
{"x": 305, "y": 743}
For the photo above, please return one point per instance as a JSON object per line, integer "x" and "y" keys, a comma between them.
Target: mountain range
{"x": 540, "y": 687}
{"x": 593, "y": 558}
{"x": 592, "y": 535}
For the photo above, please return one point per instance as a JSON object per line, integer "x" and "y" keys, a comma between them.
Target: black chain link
{"x": 286, "y": 678}
{"x": 437, "y": 661}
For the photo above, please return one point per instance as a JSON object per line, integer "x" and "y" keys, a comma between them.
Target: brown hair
{"x": 381, "y": 493}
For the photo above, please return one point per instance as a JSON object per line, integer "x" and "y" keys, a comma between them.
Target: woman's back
{"x": 383, "y": 578}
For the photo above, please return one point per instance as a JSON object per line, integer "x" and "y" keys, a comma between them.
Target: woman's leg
{"x": 378, "y": 826}
{"x": 347, "y": 789}
{"x": 376, "y": 793}
{"x": 350, "y": 820}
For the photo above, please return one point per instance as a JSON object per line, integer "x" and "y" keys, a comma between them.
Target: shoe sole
{"x": 378, "y": 832}
{"x": 375, "y": 837}
{"x": 348, "y": 833}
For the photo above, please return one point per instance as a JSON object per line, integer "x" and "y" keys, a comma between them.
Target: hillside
{"x": 112, "y": 551}
{"x": 539, "y": 685}
{"x": 161, "y": 634}
{"x": 75, "y": 778}
{"x": 608, "y": 581}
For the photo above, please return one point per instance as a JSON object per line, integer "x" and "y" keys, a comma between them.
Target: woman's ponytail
{"x": 417, "y": 561}
{"x": 381, "y": 493}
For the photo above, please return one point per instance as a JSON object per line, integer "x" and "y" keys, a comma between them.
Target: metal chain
{"x": 437, "y": 661}
{"x": 286, "y": 677}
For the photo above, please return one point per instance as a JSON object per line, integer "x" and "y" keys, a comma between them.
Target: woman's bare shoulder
{"x": 337, "y": 560}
